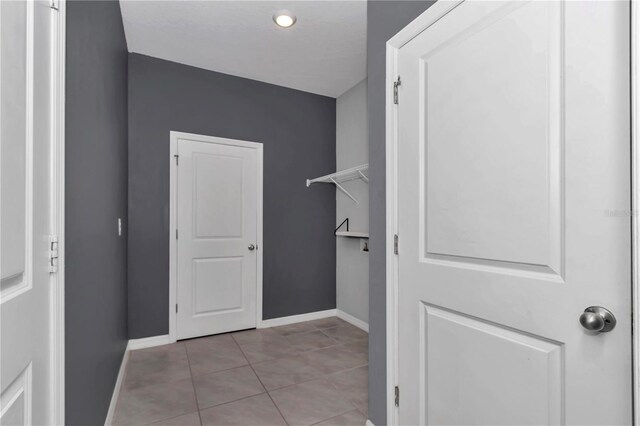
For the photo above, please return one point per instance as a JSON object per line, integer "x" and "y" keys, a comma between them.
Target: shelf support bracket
{"x": 341, "y": 188}
{"x": 363, "y": 176}
{"x": 340, "y": 226}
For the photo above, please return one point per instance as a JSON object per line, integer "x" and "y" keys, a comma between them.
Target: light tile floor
{"x": 308, "y": 373}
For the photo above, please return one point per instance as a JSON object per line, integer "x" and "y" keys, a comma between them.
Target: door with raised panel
{"x": 513, "y": 214}
{"x": 26, "y": 219}
{"x": 217, "y": 219}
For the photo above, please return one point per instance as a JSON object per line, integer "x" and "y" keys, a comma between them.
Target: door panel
{"x": 223, "y": 294}
{"x": 217, "y": 222}
{"x": 17, "y": 141}
{"x": 26, "y": 216}
{"x": 218, "y": 196}
{"x": 477, "y": 367}
{"x": 514, "y": 180}
{"x": 516, "y": 134}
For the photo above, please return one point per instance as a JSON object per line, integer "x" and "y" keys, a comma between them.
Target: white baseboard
{"x": 369, "y": 423}
{"x": 352, "y": 320}
{"x": 149, "y": 342}
{"x": 275, "y": 322}
{"x": 116, "y": 389}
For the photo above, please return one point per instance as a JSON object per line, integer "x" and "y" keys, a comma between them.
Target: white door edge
{"x": 635, "y": 201}
{"x": 173, "y": 223}
{"x": 57, "y": 331}
{"x": 415, "y": 27}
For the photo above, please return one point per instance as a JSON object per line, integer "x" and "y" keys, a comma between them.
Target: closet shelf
{"x": 352, "y": 234}
{"x": 343, "y": 176}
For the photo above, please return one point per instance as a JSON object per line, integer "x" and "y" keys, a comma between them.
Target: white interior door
{"x": 513, "y": 214}
{"x": 217, "y": 250}
{"x": 26, "y": 149}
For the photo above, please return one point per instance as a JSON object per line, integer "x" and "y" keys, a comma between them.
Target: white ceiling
{"x": 323, "y": 53}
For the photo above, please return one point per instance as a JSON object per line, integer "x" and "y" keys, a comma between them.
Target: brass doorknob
{"x": 597, "y": 319}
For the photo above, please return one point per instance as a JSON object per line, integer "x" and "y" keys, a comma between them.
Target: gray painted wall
{"x": 384, "y": 20}
{"x": 96, "y": 195}
{"x": 352, "y": 149}
{"x": 298, "y": 131}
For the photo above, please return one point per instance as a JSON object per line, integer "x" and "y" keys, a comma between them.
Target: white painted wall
{"x": 352, "y": 149}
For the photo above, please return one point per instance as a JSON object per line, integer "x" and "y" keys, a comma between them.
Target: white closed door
{"x": 217, "y": 217}
{"x": 513, "y": 215}
{"x": 26, "y": 155}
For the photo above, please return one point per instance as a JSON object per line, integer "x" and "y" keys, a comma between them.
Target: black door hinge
{"x": 395, "y": 244}
{"x": 397, "y": 399}
{"x": 176, "y": 157}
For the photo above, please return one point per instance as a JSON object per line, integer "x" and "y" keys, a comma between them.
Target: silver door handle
{"x": 598, "y": 319}
{"x": 252, "y": 247}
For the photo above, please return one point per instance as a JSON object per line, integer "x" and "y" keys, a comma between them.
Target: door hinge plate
{"x": 396, "y": 84}
{"x": 53, "y": 253}
{"x": 176, "y": 308}
{"x": 395, "y": 244}
{"x": 397, "y": 396}
{"x": 176, "y": 157}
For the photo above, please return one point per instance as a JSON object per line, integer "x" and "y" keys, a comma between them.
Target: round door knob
{"x": 597, "y": 319}
{"x": 252, "y": 247}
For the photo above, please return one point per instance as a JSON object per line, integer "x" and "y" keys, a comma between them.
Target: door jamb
{"x": 405, "y": 35}
{"x": 173, "y": 222}
{"x": 635, "y": 202}
{"x": 57, "y": 225}
{"x": 415, "y": 27}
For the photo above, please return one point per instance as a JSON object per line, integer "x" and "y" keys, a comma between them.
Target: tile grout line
{"x": 262, "y": 384}
{"x": 334, "y": 340}
{"x": 335, "y": 417}
{"x": 306, "y": 352}
{"x": 168, "y": 418}
{"x": 238, "y": 346}
{"x": 234, "y": 401}
{"x": 366, "y": 363}
{"x": 297, "y": 352}
{"x": 193, "y": 385}
{"x": 221, "y": 371}
{"x": 217, "y": 371}
{"x": 194, "y": 391}
{"x": 323, "y": 376}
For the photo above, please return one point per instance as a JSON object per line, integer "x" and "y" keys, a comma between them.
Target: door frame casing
{"x": 404, "y": 36}
{"x": 57, "y": 197}
{"x": 173, "y": 220}
{"x": 635, "y": 201}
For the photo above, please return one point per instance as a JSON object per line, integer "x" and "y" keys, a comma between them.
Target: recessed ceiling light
{"x": 284, "y": 18}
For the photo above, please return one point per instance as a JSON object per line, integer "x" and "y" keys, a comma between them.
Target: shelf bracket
{"x": 340, "y": 226}
{"x": 341, "y": 188}
{"x": 363, "y": 176}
